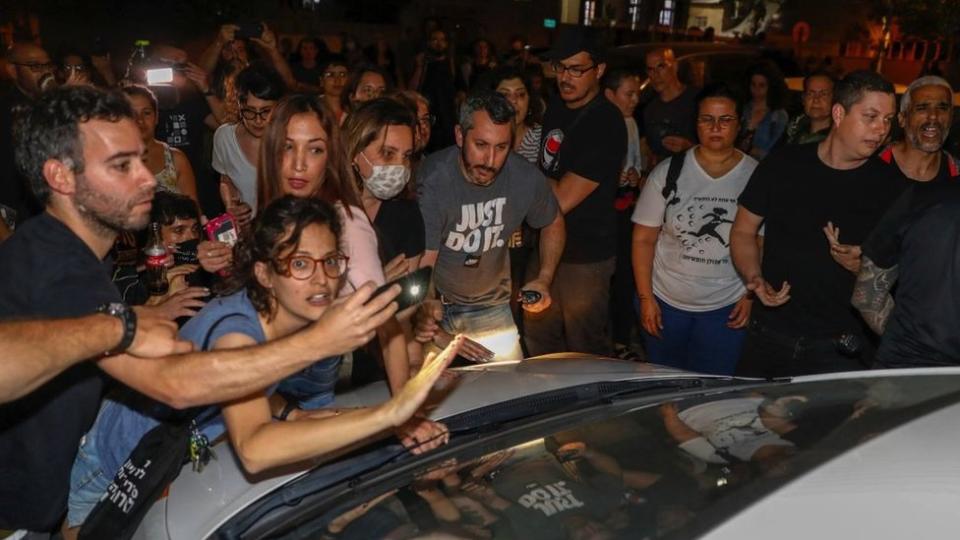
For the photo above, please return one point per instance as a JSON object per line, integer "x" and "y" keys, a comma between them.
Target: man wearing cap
{"x": 584, "y": 141}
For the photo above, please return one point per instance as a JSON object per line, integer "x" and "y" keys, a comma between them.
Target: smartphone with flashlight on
{"x": 413, "y": 288}
{"x": 159, "y": 76}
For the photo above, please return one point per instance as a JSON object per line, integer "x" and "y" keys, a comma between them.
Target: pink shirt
{"x": 359, "y": 242}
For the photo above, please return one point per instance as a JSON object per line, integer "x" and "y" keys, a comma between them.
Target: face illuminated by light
{"x": 862, "y": 129}
{"x": 115, "y": 190}
{"x": 484, "y": 148}
{"x": 299, "y": 302}
{"x": 627, "y": 95}
{"x": 927, "y": 123}
{"x": 304, "y": 160}
{"x": 516, "y": 93}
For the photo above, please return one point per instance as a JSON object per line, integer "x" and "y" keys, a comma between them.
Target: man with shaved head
{"x": 668, "y": 120}
{"x": 29, "y": 67}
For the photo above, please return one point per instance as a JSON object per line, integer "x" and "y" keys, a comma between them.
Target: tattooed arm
{"x": 871, "y": 293}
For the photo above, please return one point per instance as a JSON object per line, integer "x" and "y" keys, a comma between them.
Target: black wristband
{"x": 287, "y": 409}
{"x": 129, "y": 320}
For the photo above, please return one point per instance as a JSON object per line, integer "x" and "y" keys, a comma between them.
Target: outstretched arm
{"x": 36, "y": 351}
{"x": 871, "y": 293}
{"x": 203, "y": 378}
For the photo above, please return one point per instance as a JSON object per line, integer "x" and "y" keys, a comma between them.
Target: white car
{"x": 573, "y": 447}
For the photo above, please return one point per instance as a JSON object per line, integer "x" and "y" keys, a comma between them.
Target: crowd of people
{"x": 726, "y": 236}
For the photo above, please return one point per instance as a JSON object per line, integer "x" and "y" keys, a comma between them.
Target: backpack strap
{"x": 670, "y": 184}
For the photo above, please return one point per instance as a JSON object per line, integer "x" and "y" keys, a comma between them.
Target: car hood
{"x": 199, "y": 503}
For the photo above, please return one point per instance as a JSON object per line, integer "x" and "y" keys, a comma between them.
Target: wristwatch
{"x": 129, "y": 319}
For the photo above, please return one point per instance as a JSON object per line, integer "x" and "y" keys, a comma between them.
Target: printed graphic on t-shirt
{"x": 703, "y": 227}
{"x": 480, "y": 227}
{"x": 551, "y": 147}
{"x": 550, "y": 499}
{"x": 177, "y": 133}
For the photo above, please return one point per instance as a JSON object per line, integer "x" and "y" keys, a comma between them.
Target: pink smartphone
{"x": 222, "y": 228}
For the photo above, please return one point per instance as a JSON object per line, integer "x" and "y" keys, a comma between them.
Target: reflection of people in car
{"x": 734, "y": 430}
{"x": 569, "y": 493}
{"x": 287, "y": 276}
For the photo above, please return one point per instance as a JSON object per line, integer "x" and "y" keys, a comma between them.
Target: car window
{"x": 674, "y": 469}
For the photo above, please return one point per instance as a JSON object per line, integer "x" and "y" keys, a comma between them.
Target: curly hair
{"x": 50, "y": 129}
{"x": 276, "y": 230}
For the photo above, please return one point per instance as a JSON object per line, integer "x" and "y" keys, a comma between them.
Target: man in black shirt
{"x": 669, "y": 124}
{"x": 433, "y": 76}
{"x": 81, "y": 153}
{"x": 31, "y": 70}
{"x": 802, "y": 194}
{"x": 926, "y": 114}
{"x": 917, "y": 246}
{"x": 582, "y": 148}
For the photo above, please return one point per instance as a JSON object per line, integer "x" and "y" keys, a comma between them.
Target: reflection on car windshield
{"x": 674, "y": 470}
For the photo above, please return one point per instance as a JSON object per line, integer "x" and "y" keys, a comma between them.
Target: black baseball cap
{"x": 575, "y": 39}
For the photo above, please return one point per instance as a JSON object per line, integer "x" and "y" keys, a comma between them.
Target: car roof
{"x": 225, "y": 490}
{"x": 870, "y": 492}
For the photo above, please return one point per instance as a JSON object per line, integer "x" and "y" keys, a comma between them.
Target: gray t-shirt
{"x": 469, "y": 225}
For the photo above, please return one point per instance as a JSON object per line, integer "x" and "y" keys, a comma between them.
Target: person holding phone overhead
{"x": 472, "y": 197}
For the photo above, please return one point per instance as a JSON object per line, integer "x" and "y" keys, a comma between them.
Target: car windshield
{"x": 629, "y": 469}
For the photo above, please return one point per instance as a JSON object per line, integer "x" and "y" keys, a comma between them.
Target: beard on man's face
{"x": 109, "y": 212}
{"x": 477, "y": 173}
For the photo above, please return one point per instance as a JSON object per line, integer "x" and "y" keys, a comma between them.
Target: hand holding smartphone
{"x": 413, "y": 288}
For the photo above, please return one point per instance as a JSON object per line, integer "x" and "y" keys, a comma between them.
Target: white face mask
{"x": 386, "y": 181}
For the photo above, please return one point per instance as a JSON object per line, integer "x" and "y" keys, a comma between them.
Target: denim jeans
{"x": 696, "y": 341}
{"x": 88, "y": 481}
{"x": 490, "y": 326}
{"x": 313, "y": 387}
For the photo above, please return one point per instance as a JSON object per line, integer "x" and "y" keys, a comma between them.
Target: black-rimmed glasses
{"x": 262, "y": 114}
{"x": 574, "y": 71}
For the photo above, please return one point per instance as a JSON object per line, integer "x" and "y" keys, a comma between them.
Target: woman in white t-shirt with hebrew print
{"x": 693, "y": 306}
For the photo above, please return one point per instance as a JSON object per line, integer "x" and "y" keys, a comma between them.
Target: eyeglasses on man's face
{"x": 574, "y": 71}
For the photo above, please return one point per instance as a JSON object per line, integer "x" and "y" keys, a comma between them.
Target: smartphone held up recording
{"x": 413, "y": 288}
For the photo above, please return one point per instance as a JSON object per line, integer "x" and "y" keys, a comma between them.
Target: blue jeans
{"x": 490, "y": 326}
{"x": 695, "y": 341}
{"x": 313, "y": 387}
{"x": 88, "y": 481}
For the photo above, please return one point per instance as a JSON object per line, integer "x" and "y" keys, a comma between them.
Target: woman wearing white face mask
{"x": 301, "y": 155}
{"x": 379, "y": 141}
